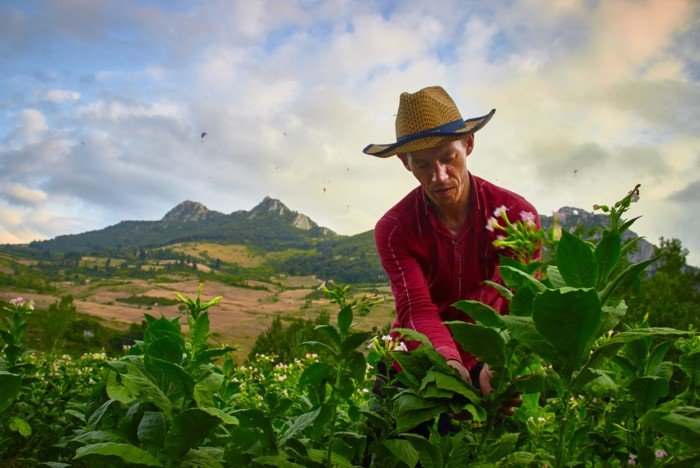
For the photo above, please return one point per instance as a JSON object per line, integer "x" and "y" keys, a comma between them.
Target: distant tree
{"x": 61, "y": 316}
{"x": 284, "y": 341}
{"x": 671, "y": 296}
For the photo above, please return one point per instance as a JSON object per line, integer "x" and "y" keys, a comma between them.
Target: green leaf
{"x": 524, "y": 331}
{"x": 199, "y": 332}
{"x": 117, "y": 390}
{"x": 205, "y": 457}
{"x": 690, "y": 363}
{"x": 675, "y": 425}
{"x": 483, "y": 342}
{"x": 482, "y": 313}
{"x": 430, "y": 455}
{"x": 205, "y": 389}
{"x": 299, "y": 424}
{"x": 657, "y": 356}
{"x": 408, "y": 419}
{"x": 622, "y": 282}
{"x": 503, "y": 446}
{"x": 126, "y": 452}
{"x": 576, "y": 262}
{"x": 277, "y": 461}
{"x": 646, "y": 391}
{"x": 170, "y": 373}
{"x": 586, "y": 376}
{"x": 92, "y": 437}
{"x": 165, "y": 348}
{"x": 570, "y": 320}
{"x": 319, "y": 345}
{"x": 189, "y": 429}
{"x": 502, "y": 290}
{"x": 9, "y": 389}
{"x": 316, "y": 374}
{"x": 611, "y": 316}
{"x": 153, "y": 427}
{"x": 521, "y": 303}
{"x": 607, "y": 254}
{"x": 21, "y": 426}
{"x": 450, "y": 383}
{"x": 519, "y": 280}
{"x": 345, "y": 319}
{"x": 403, "y": 450}
{"x": 332, "y": 332}
{"x": 353, "y": 341}
{"x": 413, "y": 335}
{"x": 518, "y": 460}
{"x": 221, "y": 414}
{"x": 99, "y": 413}
{"x": 146, "y": 389}
{"x": 356, "y": 365}
{"x": 205, "y": 356}
{"x": 555, "y": 277}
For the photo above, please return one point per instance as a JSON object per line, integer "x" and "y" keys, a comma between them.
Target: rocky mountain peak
{"x": 187, "y": 211}
{"x": 272, "y": 205}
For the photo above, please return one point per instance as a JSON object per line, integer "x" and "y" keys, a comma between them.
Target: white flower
{"x": 401, "y": 347}
{"x": 387, "y": 338}
{"x": 282, "y": 378}
{"x": 660, "y": 454}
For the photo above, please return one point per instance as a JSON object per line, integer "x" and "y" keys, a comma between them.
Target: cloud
{"x": 60, "y": 95}
{"x": 591, "y": 98}
{"x": 23, "y": 195}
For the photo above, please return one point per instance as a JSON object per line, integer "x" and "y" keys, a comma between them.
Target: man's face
{"x": 442, "y": 171}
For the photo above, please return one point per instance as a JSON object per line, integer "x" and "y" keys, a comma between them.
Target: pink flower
{"x": 660, "y": 454}
{"x": 401, "y": 347}
{"x": 501, "y": 210}
{"x": 492, "y": 223}
{"x": 17, "y": 301}
{"x": 528, "y": 218}
{"x": 632, "y": 460}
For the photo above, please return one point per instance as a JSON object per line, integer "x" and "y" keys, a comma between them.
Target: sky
{"x": 103, "y": 103}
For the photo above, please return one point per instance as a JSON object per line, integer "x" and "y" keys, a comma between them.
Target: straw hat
{"x": 427, "y": 119}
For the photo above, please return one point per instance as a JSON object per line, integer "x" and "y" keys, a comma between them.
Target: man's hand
{"x": 463, "y": 372}
{"x": 508, "y": 406}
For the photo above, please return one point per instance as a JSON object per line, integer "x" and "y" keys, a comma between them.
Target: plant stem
{"x": 490, "y": 423}
{"x": 334, "y": 417}
{"x": 562, "y": 430}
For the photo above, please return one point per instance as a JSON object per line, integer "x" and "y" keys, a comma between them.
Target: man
{"x": 434, "y": 244}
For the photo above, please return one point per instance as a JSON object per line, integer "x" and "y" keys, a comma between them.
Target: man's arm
{"x": 414, "y": 306}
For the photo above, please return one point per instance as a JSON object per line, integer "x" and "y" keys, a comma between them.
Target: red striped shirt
{"x": 430, "y": 269}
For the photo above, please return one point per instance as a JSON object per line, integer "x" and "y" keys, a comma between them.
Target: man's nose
{"x": 439, "y": 172}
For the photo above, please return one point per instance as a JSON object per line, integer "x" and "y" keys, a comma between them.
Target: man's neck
{"x": 454, "y": 216}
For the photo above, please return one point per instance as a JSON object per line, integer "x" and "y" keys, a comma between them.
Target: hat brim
{"x": 428, "y": 138}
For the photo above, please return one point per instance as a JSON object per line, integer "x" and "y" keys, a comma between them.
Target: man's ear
{"x": 469, "y": 143}
{"x": 404, "y": 159}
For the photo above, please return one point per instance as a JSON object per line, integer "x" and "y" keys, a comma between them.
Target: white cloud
{"x": 592, "y": 97}
{"x": 23, "y": 195}
{"x": 60, "y": 95}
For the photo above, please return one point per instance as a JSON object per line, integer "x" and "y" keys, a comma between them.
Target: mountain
{"x": 187, "y": 211}
{"x": 270, "y": 225}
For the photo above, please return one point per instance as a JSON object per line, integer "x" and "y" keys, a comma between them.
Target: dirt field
{"x": 239, "y": 318}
